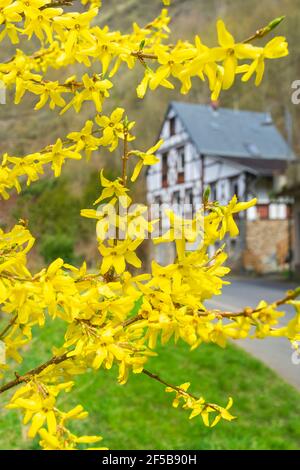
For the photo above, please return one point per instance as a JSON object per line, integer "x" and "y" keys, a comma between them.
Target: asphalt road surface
{"x": 274, "y": 352}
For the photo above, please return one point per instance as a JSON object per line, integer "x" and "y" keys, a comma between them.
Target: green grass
{"x": 139, "y": 415}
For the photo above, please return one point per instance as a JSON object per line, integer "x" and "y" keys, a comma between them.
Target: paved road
{"x": 275, "y": 352}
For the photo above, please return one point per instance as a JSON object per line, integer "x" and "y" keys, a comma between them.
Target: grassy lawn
{"x": 139, "y": 415}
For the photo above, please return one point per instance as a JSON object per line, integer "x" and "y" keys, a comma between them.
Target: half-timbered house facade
{"x": 236, "y": 153}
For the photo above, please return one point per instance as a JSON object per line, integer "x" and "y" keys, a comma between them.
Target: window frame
{"x": 261, "y": 215}
{"x": 172, "y": 126}
{"x": 181, "y": 160}
{"x": 165, "y": 168}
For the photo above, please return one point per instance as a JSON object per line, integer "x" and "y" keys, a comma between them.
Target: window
{"x": 234, "y": 187}
{"x": 213, "y": 191}
{"x": 263, "y": 211}
{"x": 189, "y": 198}
{"x": 176, "y": 197}
{"x": 157, "y": 202}
{"x": 172, "y": 126}
{"x": 164, "y": 170}
{"x": 181, "y": 164}
{"x": 278, "y": 211}
{"x": 176, "y": 203}
{"x": 235, "y": 190}
{"x": 233, "y": 244}
{"x": 157, "y": 214}
{"x": 189, "y": 201}
{"x": 223, "y": 192}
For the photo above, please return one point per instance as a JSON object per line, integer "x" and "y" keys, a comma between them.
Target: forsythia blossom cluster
{"x": 72, "y": 37}
{"x": 115, "y": 315}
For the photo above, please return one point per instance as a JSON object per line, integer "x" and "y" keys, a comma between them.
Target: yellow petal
{"x": 52, "y": 441}
{"x": 137, "y": 170}
{"x": 119, "y": 264}
{"x": 242, "y": 206}
{"x": 116, "y": 115}
{"x": 36, "y": 424}
{"x": 230, "y": 65}
{"x": 132, "y": 259}
{"x": 225, "y": 38}
{"x": 232, "y": 227}
{"x": 51, "y": 422}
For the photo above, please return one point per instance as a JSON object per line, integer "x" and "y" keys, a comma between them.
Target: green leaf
{"x": 206, "y": 195}
{"x": 142, "y": 45}
{"x": 137, "y": 305}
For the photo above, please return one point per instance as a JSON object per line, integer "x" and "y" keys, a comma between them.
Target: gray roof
{"x": 232, "y": 133}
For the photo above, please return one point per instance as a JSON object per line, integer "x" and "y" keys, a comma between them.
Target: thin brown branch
{"x": 58, "y": 3}
{"x": 163, "y": 382}
{"x": 176, "y": 389}
{"x": 12, "y": 277}
{"x": 141, "y": 55}
{"x": 253, "y": 37}
{"x": 37, "y": 370}
{"x": 132, "y": 320}
{"x": 262, "y": 32}
{"x": 249, "y": 312}
{"x": 8, "y": 326}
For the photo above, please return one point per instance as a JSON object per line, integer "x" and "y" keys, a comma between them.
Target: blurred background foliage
{"x": 51, "y": 209}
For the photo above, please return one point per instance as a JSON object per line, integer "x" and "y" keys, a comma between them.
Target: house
{"x": 234, "y": 152}
{"x": 292, "y": 190}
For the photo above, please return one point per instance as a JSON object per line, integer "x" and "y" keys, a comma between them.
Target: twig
{"x": 158, "y": 379}
{"x": 262, "y": 32}
{"x": 141, "y": 55}
{"x": 8, "y": 326}
{"x": 58, "y": 3}
{"x": 248, "y": 312}
{"x": 35, "y": 371}
{"x": 176, "y": 389}
{"x": 132, "y": 320}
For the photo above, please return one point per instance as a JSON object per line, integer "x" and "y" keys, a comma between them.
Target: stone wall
{"x": 262, "y": 247}
{"x": 267, "y": 246}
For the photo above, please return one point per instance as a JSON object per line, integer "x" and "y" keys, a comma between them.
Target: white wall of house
{"x": 225, "y": 178}
{"x": 297, "y": 235}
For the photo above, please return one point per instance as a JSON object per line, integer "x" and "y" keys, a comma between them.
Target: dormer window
{"x": 172, "y": 123}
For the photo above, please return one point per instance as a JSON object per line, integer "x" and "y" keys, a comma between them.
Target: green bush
{"x": 53, "y": 212}
{"x": 54, "y": 216}
{"x": 57, "y": 246}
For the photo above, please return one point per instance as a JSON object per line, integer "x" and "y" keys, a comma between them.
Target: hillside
{"x": 23, "y": 130}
